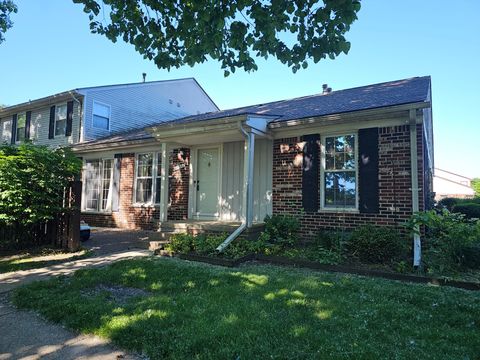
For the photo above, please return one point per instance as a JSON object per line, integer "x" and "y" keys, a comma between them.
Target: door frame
{"x": 192, "y": 198}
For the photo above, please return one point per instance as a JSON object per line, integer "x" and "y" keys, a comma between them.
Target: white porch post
{"x": 248, "y": 167}
{"x": 417, "y": 245}
{"x": 164, "y": 183}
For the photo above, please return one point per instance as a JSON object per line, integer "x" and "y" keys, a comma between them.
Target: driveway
{"x": 25, "y": 335}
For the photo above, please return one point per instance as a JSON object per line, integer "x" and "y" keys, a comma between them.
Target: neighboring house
{"x": 449, "y": 184}
{"x": 339, "y": 159}
{"x": 90, "y": 113}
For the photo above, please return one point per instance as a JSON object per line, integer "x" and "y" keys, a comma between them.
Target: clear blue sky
{"x": 50, "y": 49}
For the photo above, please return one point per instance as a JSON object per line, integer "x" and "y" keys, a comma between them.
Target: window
{"x": 148, "y": 178}
{"x": 101, "y": 116}
{"x": 6, "y": 131}
{"x": 339, "y": 175}
{"x": 60, "y": 120}
{"x": 20, "y": 132}
{"x": 98, "y": 181}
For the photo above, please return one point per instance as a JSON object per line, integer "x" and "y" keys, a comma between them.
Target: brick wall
{"x": 395, "y": 197}
{"x": 178, "y": 184}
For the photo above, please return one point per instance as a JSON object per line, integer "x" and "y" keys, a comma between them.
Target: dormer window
{"x": 101, "y": 116}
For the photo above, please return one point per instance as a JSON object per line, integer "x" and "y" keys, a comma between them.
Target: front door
{"x": 207, "y": 184}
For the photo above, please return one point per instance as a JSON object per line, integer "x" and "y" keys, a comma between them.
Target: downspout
{"x": 417, "y": 245}
{"x": 248, "y": 193}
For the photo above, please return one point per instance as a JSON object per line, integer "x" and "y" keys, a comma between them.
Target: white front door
{"x": 206, "y": 184}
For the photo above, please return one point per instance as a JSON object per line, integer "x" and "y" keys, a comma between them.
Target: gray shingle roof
{"x": 360, "y": 98}
{"x": 374, "y": 96}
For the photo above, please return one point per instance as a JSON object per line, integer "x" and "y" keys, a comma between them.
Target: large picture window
{"x": 339, "y": 172}
{"x": 148, "y": 178}
{"x": 98, "y": 179}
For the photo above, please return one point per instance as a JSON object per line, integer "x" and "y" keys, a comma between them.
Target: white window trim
{"x": 109, "y": 115}
{"x": 155, "y": 165}
{"x": 324, "y": 208}
{"x": 66, "y": 119}
{"x": 108, "y": 210}
{"x": 17, "y": 142}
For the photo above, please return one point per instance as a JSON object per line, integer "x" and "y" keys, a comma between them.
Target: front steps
{"x": 166, "y": 229}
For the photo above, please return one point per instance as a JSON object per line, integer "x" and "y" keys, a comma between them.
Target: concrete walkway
{"x": 25, "y": 335}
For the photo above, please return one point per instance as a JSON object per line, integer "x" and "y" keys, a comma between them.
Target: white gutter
{"x": 417, "y": 245}
{"x": 248, "y": 187}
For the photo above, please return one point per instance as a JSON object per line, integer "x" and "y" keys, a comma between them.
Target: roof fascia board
{"x": 396, "y": 119}
{"x": 35, "y": 104}
{"x": 348, "y": 116}
{"x": 137, "y": 84}
{"x": 85, "y": 148}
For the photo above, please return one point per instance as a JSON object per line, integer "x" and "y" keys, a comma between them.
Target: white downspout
{"x": 248, "y": 188}
{"x": 417, "y": 245}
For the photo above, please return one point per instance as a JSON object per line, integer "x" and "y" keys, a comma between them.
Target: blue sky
{"x": 50, "y": 49}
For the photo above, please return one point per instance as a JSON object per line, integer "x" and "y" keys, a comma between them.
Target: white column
{"x": 164, "y": 183}
{"x": 248, "y": 169}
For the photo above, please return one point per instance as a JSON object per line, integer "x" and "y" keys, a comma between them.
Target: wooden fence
{"x": 63, "y": 231}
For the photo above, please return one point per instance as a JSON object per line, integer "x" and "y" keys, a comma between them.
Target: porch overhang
{"x": 225, "y": 129}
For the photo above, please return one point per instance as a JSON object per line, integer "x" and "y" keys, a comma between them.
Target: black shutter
{"x": 310, "y": 185}
{"x": 116, "y": 182}
{"x": 27, "y": 124}
{"x": 68, "y": 130}
{"x": 51, "y": 125}
{"x": 368, "y": 170}
{"x": 14, "y": 128}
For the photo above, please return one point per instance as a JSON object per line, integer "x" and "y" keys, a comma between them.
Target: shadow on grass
{"x": 201, "y": 311}
{"x": 27, "y": 262}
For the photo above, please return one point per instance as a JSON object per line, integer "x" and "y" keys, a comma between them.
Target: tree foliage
{"x": 476, "y": 186}
{"x": 32, "y": 179}
{"x": 7, "y": 7}
{"x": 173, "y": 33}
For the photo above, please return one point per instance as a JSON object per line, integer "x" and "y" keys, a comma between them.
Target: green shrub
{"x": 374, "y": 244}
{"x": 447, "y": 203}
{"x": 471, "y": 210}
{"x": 450, "y": 240}
{"x": 207, "y": 244}
{"x": 282, "y": 230}
{"x": 242, "y": 247}
{"x": 181, "y": 243}
{"x": 470, "y": 256}
{"x": 335, "y": 241}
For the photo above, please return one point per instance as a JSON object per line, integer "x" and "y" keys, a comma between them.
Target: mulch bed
{"x": 279, "y": 260}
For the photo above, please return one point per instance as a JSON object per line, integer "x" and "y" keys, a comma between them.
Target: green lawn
{"x": 197, "y": 311}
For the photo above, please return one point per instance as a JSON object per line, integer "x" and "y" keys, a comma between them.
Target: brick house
{"x": 338, "y": 159}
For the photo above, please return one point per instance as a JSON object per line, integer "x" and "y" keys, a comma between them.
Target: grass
{"x": 198, "y": 311}
{"x": 38, "y": 259}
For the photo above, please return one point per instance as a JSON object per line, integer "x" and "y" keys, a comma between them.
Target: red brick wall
{"x": 395, "y": 197}
{"x": 178, "y": 184}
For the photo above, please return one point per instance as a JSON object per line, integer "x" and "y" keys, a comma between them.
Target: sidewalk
{"x": 25, "y": 335}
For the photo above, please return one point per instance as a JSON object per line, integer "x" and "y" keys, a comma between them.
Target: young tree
{"x": 7, "y": 7}
{"x": 476, "y": 186}
{"x": 173, "y": 33}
